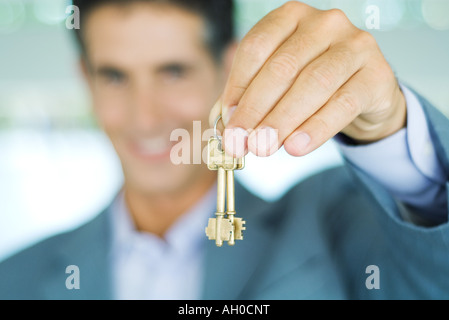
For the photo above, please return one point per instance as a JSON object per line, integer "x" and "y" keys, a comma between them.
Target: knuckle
{"x": 335, "y": 15}
{"x": 364, "y": 40}
{"x": 295, "y": 7}
{"x": 382, "y": 76}
{"x": 250, "y": 112}
{"x": 291, "y": 6}
{"x": 294, "y": 10}
{"x": 237, "y": 88}
{"x": 289, "y": 113}
{"x": 283, "y": 65}
{"x": 385, "y": 73}
{"x": 332, "y": 19}
{"x": 254, "y": 46}
{"x": 322, "y": 76}
{"x": 306, "y": 42}
{"x": 323, "y": 126}
{"x": 347, "y": 103}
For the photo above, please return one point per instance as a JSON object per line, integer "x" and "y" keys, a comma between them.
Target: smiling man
{"x": 151, "y": 71}
{"x": 300, "y": 77}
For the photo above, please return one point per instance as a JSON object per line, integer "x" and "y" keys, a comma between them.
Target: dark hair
{"x": 218, "y": 15}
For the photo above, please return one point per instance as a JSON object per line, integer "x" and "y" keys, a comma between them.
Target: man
{"x": 300, "y": 77}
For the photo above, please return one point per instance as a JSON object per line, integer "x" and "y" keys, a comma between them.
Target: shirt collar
{"x": 185, "y": 235}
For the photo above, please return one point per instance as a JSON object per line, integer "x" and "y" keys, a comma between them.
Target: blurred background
{"x": 57, "y": 169}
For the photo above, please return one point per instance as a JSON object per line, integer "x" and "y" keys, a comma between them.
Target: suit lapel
{"x": 89, "y": 251}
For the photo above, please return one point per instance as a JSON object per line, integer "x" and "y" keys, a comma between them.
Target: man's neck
{"x": 156, "y": 213}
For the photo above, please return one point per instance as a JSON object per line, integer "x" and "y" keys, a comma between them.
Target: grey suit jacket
{"x": 316, "y": 242}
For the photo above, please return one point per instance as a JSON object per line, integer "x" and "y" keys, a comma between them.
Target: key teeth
{"x": 210, "y": 229}
{"x": 226, "y": 231}
{"x": 239, "y": 228}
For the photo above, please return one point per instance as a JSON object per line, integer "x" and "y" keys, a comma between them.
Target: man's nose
{"x": 146, "y": 110}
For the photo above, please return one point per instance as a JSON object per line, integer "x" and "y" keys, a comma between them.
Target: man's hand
{"x": 302, "y": 75}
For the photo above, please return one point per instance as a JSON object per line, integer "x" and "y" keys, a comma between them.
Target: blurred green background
{"x": 57, "y": 168}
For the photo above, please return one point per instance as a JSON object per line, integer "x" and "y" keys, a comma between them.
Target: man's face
{"x": 150, "y": 72}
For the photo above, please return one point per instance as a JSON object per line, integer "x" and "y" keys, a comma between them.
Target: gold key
{"x": 225, "y": 226}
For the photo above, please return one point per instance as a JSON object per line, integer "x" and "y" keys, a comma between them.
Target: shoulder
{"x": 62, "y": 241}
{"x": 21, "y": 272}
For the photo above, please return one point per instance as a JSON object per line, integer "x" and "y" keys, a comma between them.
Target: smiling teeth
{"x": 154, "y": 146}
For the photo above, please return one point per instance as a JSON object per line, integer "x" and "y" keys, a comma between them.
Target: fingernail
{"x": 263, "y": 141}
{"x": 301, "y": 140}
{"x": 227, "y": 114}
{"x": 235, "y": 141}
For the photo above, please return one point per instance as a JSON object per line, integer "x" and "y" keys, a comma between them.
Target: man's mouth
{"x": 152, "y": 149}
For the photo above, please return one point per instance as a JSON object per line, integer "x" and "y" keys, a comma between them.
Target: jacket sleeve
{"x": 413, "y": 259}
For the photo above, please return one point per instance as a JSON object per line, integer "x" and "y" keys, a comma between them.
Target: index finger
{"x": 257, "y": 47}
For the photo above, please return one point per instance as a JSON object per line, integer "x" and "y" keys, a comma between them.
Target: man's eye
{"x": 113, "y": 76}
{"x": 175, "y": 71}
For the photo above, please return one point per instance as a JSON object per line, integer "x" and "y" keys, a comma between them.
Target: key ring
{"x": 215, "y": 133}
{"x": 215, "y": 126}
